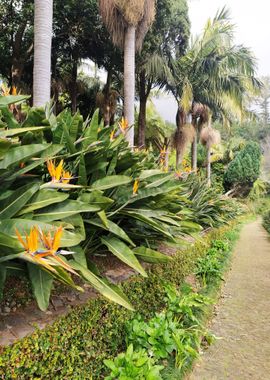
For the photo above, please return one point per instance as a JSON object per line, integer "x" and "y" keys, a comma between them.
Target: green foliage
{"x": 209, "y": 268}
{"x": 245, "y": 168}
{"x": 156, "y": 335}
{"x": 133, "y": 365}
{"x": 266, "y": 220}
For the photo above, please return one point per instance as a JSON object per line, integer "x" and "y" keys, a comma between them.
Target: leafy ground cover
{"x": 76, "y": 346}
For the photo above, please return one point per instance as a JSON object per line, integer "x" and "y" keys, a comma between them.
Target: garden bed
{"x": 75, "y": 346}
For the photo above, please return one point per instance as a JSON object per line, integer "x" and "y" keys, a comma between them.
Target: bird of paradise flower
{"x": 43, "y": 249}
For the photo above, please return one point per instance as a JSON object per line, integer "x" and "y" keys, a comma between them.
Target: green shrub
{"x": 266, "y": 221}
{"x": 245, "y": 167}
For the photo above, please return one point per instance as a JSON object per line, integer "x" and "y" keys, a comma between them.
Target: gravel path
{"x": 243, "y": 316}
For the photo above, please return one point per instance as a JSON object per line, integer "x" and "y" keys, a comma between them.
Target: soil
{"x": 242, "y": 317}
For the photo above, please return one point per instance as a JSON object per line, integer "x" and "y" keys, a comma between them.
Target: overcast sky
{"x": 251, "y": 19}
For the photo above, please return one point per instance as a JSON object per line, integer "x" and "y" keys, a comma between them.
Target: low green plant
{"x": 156, "y": 335}
{"x": 209, "y": 267}
{"x": 186, "y": 305}
{"x": 133, "y": 365}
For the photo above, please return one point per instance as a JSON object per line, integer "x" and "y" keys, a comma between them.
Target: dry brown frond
{"x": 183, "y": 136}
{"x": 114, "y": 21}
{"x": 117, "y": 15}
{"x": 209, "y": 136}
{"x": 146, "y": 22}
{"x": 201, "y": 113}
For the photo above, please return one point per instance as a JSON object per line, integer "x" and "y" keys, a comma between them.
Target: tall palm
{"x": 214, "y": 73}
{"x": 128, "y": 21}
{"x": 42, "y": 51}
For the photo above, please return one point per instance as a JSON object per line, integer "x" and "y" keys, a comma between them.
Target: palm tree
{"x": 42, "y": 51}
{"x": 128, "y": 22}
{"x": 214, "y": 73}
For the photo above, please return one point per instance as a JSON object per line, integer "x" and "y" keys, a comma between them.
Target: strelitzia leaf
{"x": 42, "y": 199}
{"x": 150, "y": 256}
{"x": 111, "y": 181}
{"x": 63, "y": 210}
{"x": 124, "y": 253}
{"x": 11, "y": 205}
{"x": 110, "y": 291}
{"x": 42, "y": 284}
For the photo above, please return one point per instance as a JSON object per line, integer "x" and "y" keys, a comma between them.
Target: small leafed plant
{"x": 132, "y": 365}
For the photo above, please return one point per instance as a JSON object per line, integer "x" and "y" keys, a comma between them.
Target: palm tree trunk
{"x": 194, "y": 147}
{"x": 73, "y": 87}
{"x": 142, "y": 122}
{"x": 208, "y": 166}
{"x": 42, "y": 51}
{"x": 129, "y": 82}
{"x": 179, "y": 158}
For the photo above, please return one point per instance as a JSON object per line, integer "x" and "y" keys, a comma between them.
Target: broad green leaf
{"x": 124, "y": 253}
{"x": 11, "y": 205}
{"x": 103, "y": 217}
{"x": 43, "y": 198}
{"x": 95, "y": 198}
{"x": 19, "y": 131}
{"x": 12, "y": 99}
{"x": 91, "y": 132}
{"x": 42, "y": 285}
{"x": 159, "y": 181}
{"x": 47, "y": 154}
{"x": 110, "y": 291}
{"x": 8, "y": 117}
{"x": 113, "y": 228}
{"x": 69, "y": 143}
{"x": 153, "y": 192}
{"x": 4, "y": 147}
{"x": 110, "y": 182}
{"x": 8, "y": 226}
{"x": 64, "y": 210}
{"x": 148, "y": 221}
{"x": 149, "y": 173}
{"x": 151, "y": 256}
{"x": 21, "y": 153}
{"x": 79, "y": 256}
{"x": 82, "y": 172}
{"x": 9, "y": 244}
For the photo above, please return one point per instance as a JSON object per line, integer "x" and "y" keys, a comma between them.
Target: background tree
{"x": 215, "y": 73}
{"x": 16, "y": 42}
{"x": 128, "y": 22}
{"x": 166, "y": 40}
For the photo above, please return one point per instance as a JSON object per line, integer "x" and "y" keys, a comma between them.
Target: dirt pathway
{"x": 243, "y": 316}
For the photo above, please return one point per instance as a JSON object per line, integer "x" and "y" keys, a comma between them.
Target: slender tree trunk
{"x": 142, "y": 111}
{"x": 42, "y": 51}
{"x": 167, "y": 154}
{"x": 106, "y": 91}
{"x": 142, "y": 122}
{"x": 194, "y": 147}
{"x": 179, "y": 158}
{"x": 73, "y": 87}
{"x": 129, "y": 82}
{"x": 208, "y": 166}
